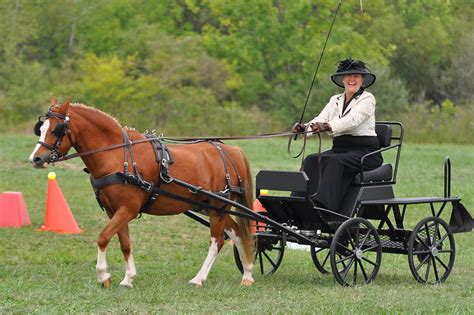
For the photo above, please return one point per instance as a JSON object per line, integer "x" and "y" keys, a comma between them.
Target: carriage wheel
{"x": 431, "y": 251}
{"x": 269, "y": 252}
{"x": 356, "y": 252}
{"x": 320, "y": 258}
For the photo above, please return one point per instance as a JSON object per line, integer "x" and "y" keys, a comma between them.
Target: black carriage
{"x": 350, "y": 242}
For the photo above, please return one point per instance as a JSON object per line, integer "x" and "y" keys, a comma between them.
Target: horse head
{"x": 52, "y": 129}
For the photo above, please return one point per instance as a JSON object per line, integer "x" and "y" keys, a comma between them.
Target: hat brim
{"x": 369, "y": 78}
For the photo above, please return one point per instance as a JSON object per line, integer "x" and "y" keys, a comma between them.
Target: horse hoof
{"x": 125, "y": 286}
{"x": 106, "y": 284}
{"x": 195, "y": 284}
{"x": 247, "y": 282}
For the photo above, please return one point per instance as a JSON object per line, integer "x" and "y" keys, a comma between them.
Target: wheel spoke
{"x": 344, "y": 259}
{"x": 435, "y": 269}
{"x": 350, "y": 239}
{"x": 422, "y": 241}
{"x": 442, "y": 263}
{"x": 369, "y": 261}
{"x": 422, "y": 263}
{"x": 344, "y": 247}
{"x": 326, "y": 259}
{"x": 443, "y": 238}
{"x": 261, "y": 262}
{"x": 370, "y": 248}
{"x": 357, "y": 236}
{"x": 346, "y": 270}
{"x": 339, "y": 256}
{"x": 435, "y": 233}
{"x": 365, "y": 238}
{"x": 427, "y": 229}
{"x": 363, "y": 271}
{"x": 355, "y": 273}
{"x": 277, "y": 248}
{"x": 427, "y": 274}
{"x": 421, "y": 252}
{"x": 269, "y": 259}
{"x": 319, "y": 250}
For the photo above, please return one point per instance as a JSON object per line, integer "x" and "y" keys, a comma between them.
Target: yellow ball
{"x": 51, "y": 175}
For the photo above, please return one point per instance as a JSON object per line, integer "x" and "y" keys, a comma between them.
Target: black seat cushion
{"x": 384, "y": 134}
{"x": 380, "y": 174}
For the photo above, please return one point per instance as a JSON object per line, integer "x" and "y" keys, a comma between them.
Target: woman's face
{"x": 352, "y": 82}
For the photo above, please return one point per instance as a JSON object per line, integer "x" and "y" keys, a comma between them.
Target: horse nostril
{"x": 37, "y": 160}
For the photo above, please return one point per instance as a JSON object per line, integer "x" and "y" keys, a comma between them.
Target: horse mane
{"x": 84, "y": 107}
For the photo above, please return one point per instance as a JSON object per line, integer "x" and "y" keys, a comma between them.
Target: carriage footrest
{"x": 408, "y": 201}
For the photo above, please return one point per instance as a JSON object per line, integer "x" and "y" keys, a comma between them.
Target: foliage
{"x": 439, "y": 124}
{"x": 136, "y": 59}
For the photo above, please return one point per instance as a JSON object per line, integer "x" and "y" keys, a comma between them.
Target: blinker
{"x": 59, "y": 130}
{"x": 38, "y": 125}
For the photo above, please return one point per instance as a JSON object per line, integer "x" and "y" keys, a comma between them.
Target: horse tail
{"x": 246, "y": 199}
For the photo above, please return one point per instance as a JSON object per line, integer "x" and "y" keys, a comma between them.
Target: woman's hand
{"x": 298, "y": 127}
{"x": 320, "y": 127}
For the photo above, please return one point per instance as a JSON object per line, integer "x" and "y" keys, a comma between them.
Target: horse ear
{"x": 54, "y": 101}
{"x": 65, "y": 106}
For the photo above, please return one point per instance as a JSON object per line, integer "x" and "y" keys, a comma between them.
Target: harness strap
{"x": 239, "y": 179}
{"x": 164, "y": 160}
{"x": 106, "y": 180}
{"x": 230, "y": 188}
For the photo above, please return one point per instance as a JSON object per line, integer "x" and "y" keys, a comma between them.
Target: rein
{"x": 187, "y": 140}
{"x": 111, "y": 147}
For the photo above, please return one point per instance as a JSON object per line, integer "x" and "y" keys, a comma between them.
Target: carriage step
{"x": 392, "y": 244}
{"x": 387, "y": 243}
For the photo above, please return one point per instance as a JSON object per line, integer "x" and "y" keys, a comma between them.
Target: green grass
{"x": 46, "y": 272}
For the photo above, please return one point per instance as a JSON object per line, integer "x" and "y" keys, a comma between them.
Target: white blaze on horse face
{"x": 206, "y": 266}
{"x": 44, "y": 128}
{"x": 247, "y": 266}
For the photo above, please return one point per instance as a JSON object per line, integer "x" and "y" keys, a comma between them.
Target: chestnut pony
{"x": 200, "y": 164}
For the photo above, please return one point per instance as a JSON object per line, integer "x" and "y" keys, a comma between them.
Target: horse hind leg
{"x": 216, "y": 243}
{"x": 125, "y": 246}
{"x": 235, "y": 232}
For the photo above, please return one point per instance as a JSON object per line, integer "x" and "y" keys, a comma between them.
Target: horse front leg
{"x": 125, "y": 246}
{"x": 121, "y": 217}
{"x": 215, "y": 245}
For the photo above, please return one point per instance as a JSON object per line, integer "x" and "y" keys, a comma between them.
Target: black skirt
{"x": 339, "y": 166}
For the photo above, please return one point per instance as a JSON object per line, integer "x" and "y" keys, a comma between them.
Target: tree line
{"x": 196, "y": 67}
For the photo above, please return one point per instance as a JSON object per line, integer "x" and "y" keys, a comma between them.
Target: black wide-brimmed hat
{"x": 350, "y": 66}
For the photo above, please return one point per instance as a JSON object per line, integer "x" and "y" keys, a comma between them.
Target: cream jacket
{"x": 357, "y": 120}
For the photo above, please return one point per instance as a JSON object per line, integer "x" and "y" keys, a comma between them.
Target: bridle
{"x": 59, "y": 132}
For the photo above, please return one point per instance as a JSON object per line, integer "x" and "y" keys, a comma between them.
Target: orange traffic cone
{"x": 258, "y": 207}
{"x": 58, "y": 216}
{"x": 13, "y": 212}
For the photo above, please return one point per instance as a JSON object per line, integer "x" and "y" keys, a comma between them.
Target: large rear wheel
{"x": 431, "y": 251}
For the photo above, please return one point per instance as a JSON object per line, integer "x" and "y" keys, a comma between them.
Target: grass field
{"x": 44, "y": 272}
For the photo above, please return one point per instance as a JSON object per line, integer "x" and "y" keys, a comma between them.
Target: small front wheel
{"x": 356, "y": 252}
{"x": 320, "y": 256}
{"x": 269, "y": 252}
{"x": 431, "y": 251}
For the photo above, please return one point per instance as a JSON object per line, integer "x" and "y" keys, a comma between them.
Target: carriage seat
{"x": 384, "y": 172}
{"x": 380, "y": 174}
